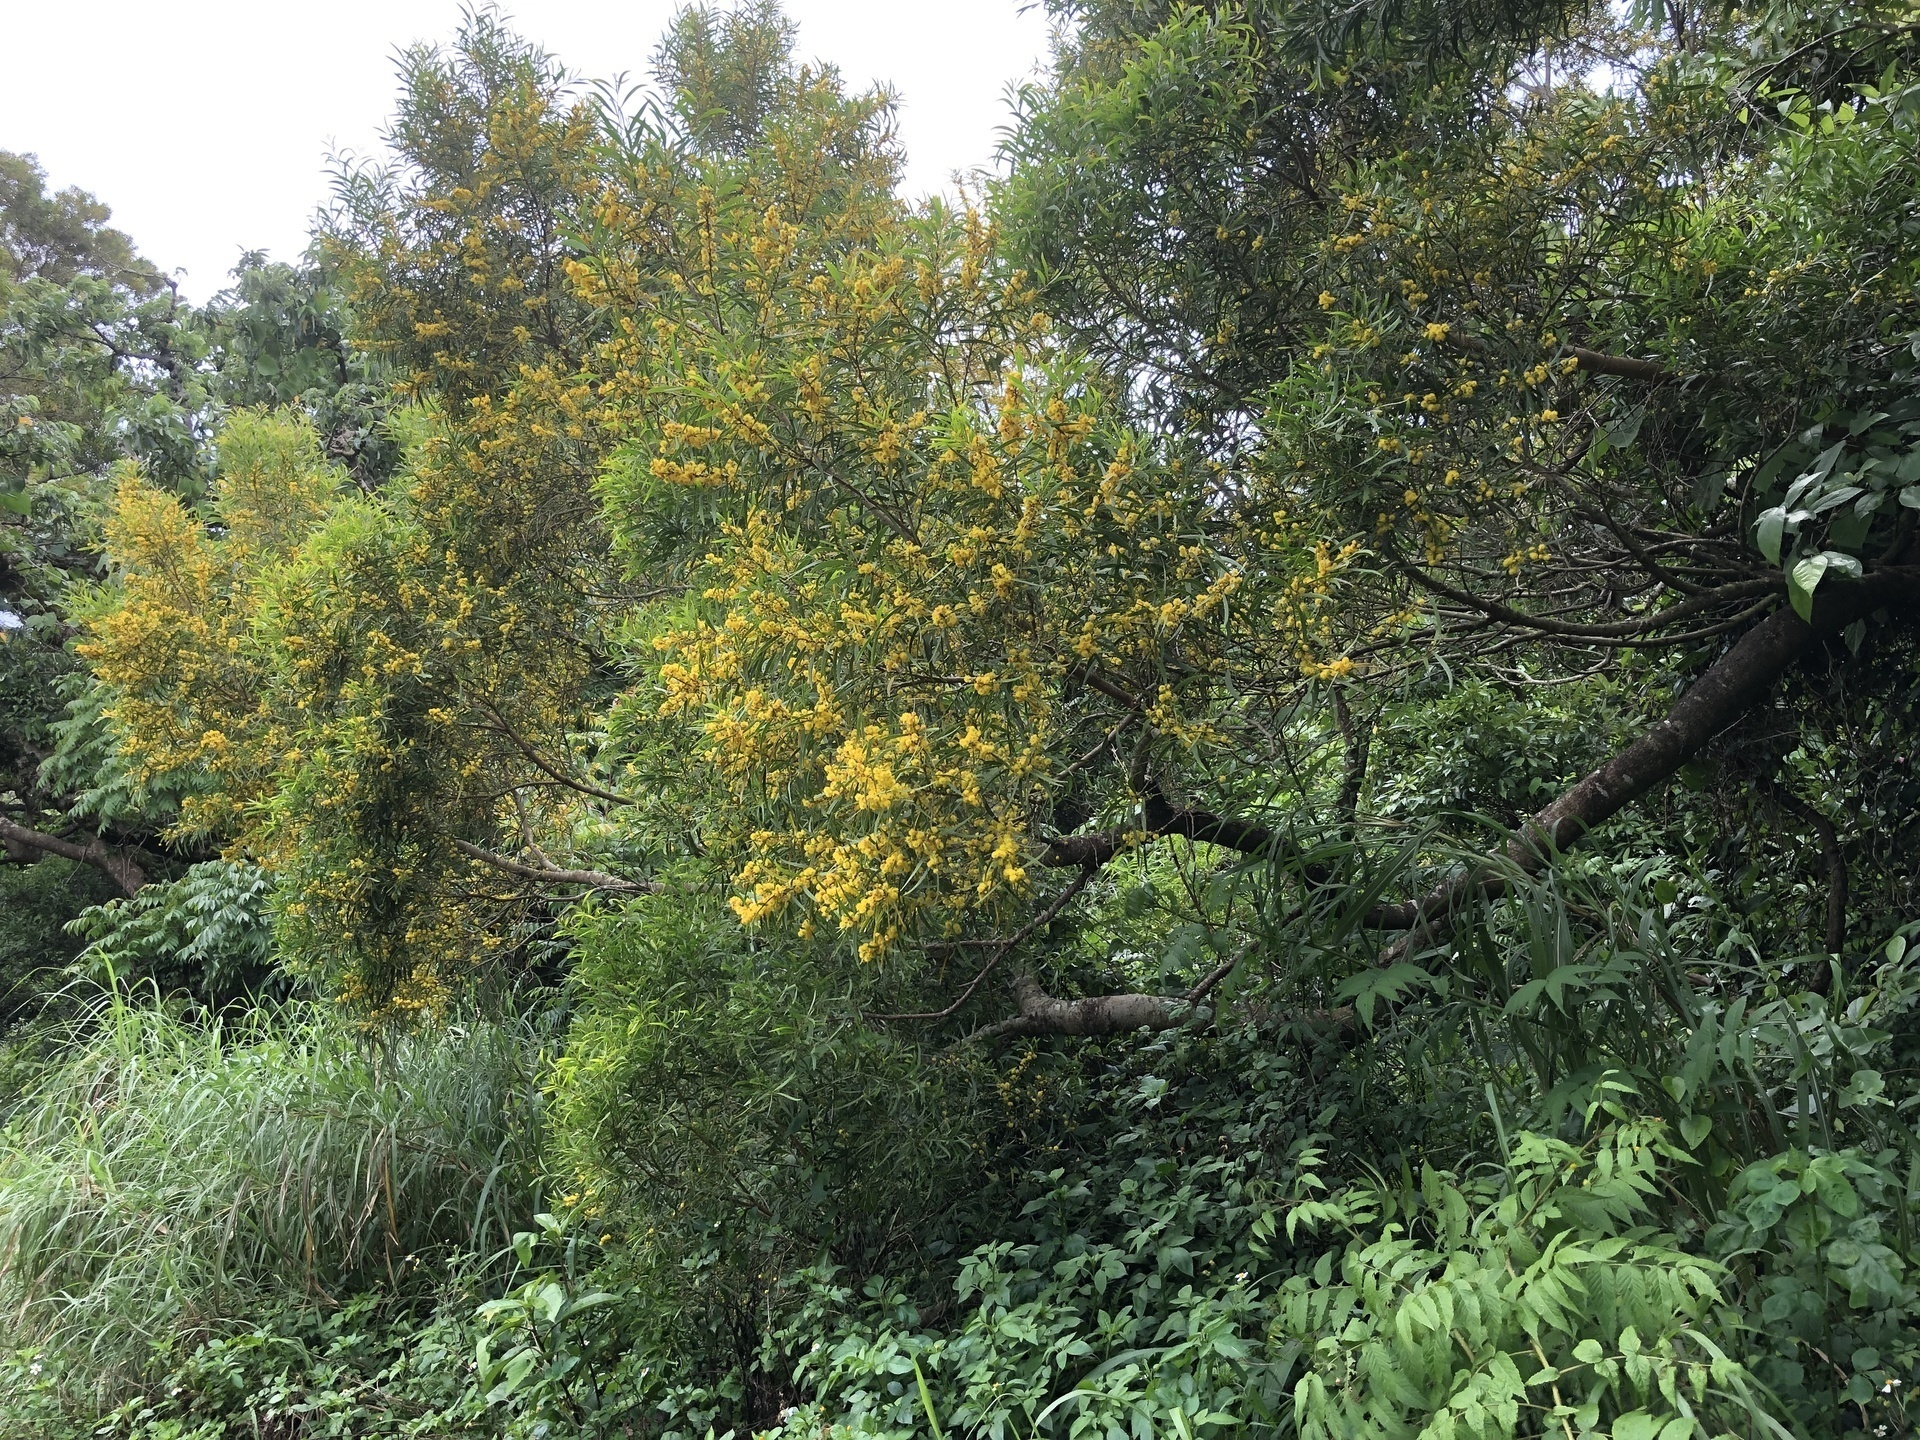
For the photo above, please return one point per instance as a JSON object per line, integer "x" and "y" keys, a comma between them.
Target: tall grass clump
{"x": 169, "y": 1179}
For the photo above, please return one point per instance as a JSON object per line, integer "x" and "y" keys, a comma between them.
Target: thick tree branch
{"x": 1594, "y": 362}
{"x": 1729, "y": 688}
{"x": 122, "y": 868}
{"x": 1625, "y": 366}
{"x": 1158, "y": 817}
{"x": 1044, "y": 1014}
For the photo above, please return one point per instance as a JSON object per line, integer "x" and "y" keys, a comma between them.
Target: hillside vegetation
{"x": 1255, "y": 780}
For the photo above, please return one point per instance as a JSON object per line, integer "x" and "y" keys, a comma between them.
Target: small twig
{"x": 554, "y": 874}
{"x": 1216, "y": 975}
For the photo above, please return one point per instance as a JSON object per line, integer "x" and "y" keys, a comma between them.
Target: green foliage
{"x": 209, "y": 933}
{"x": 279, "y": 335}
{"x": 728, "y": 72}
{"x": 722, "y": 1108}
{"x": 167, "y": 1179}
{"x": 1535, "y": 1296}
{"x": 363, "y": 1368}
{"x": 37, "y": 902}
{"x": 1507, "y": 401}
{"x": 545, "y": 1348}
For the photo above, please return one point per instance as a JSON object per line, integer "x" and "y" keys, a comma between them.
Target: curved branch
{"x": 1093, "y": 849}
{"x": 1040, "y": 921}
{"x": 1613, "y": 630}
{"x": 544, "y": 765}
{"x": 118, "y": 865}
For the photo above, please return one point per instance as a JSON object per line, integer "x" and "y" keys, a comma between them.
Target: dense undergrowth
{"x": 1597, "y": 1178}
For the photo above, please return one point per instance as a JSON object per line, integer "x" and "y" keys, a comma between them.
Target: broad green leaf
{"x": 1801, "y": 581}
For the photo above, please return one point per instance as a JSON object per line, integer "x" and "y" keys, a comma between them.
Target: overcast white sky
{"x": 206, "y": 124}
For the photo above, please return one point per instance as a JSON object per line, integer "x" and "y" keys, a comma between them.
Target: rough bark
{"x": 117, "y": 864}
{"x": 1044, "y": 1014}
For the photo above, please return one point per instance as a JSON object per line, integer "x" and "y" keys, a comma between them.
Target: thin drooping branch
{"x": 554, "y": 874}
{"x": 544, "y": 765}
{"x": 1834, "y": 859}
{"x": 1002, "y": 949}
{"x": 1358, "y": 741}
{"x": 117, "y": 864}
{"x": 1730, "y": 687}
{"x": 1621, "y": 633}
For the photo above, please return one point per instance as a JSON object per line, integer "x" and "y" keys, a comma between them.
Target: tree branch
{"x": 544, "y": 765}
{"x": 554, "y": 874}
{"x": 122, "y": 868}
{"x": 1593, "y": 361}
{"x": 1625, "y": 366}
{"x": 1044, "y": 1014}
{"x": 1001, "y": 949}
{"x": 1615, "y": 631}
{"x": 1158, "y": 817}
{"x": 1730, "y": 687}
